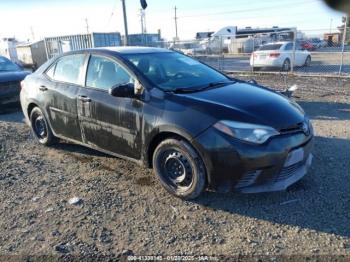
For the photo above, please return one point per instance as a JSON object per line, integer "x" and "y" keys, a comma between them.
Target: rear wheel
{"x": 286, "y": 65}
{"x": 179, "y": 168}
{"x": 307, "y": 61}
{"x": 40, "y": 128}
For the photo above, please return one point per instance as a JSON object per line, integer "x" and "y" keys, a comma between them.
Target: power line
{"x": 222, "y": 5}
{"x": 249, "y": 10}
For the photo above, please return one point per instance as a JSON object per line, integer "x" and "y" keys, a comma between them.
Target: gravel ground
{"x": 122, "y": 210}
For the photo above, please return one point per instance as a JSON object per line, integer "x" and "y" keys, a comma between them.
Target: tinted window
{"x": 104, "y": 73}
{"x": 270, "y": 47}
{"x": 170, "y": 70}
{"x": 68, "y": 69}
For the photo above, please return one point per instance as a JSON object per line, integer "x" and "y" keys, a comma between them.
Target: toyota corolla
{"x": 196, "y": 127}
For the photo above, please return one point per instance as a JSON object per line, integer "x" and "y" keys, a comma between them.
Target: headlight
{"x": 252, "y": 133}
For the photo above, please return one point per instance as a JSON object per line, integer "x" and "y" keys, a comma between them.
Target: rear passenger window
{"x": 104, "y": 73}
{"x": 289, "y": 47}
{"x": 67, "y": 69}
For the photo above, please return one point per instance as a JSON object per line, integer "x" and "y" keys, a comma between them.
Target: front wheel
{"x": 179, "y": 168}
{"x": 40, "y": 127}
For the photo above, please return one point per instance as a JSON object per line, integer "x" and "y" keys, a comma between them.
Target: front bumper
{"x": 233, "y": 165}
{"x": 9, "y": 92}
{"x": 288, "y": 176}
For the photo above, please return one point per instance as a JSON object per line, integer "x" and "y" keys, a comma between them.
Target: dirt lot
{"x": 123, "y": 210}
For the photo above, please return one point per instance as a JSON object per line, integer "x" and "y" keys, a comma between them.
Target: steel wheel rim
{"x": 40, "y": 127}
{"x": 175, "y": 169}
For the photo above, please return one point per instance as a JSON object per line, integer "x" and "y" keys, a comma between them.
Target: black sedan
{"x": 195, "y": 126}
{"x": 10, "y": 77}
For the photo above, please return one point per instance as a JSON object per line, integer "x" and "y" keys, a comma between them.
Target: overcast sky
{"x": 61, "y": 17}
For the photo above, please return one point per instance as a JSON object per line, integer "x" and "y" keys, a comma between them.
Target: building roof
{"x": 28, "y": 44}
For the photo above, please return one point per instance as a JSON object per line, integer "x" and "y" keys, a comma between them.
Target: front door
{"x": 108, "y": 122}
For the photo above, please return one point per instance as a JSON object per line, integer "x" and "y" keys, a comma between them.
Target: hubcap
{"x": 40, "y": 127}
{"x": 176, "y": 169}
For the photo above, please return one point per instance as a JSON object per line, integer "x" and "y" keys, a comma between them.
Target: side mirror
{"x": 252, "y": 81}
{"x": 122, "y": 90}
{"x": 289, "y": 92}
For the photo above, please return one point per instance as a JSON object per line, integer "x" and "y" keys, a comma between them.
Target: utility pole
{"x": 125, "y": 24}
{"x": 346, "y": 22}
{"x": 143, "y": 26}
{"x": 87, "y": 25}
{"x": 32, "y": 32}
{"x": 175, "y": 18}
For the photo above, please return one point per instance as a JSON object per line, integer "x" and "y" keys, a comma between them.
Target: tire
{"x": 256, "y": 69}
{"x": 179, "y": 168}
{"x": 307, "y": 61}
{"x": 40, "y": 128}
{"x": 286, "y": 65}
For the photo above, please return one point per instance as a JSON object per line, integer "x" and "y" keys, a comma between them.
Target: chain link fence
{"x": 291, "y": 52}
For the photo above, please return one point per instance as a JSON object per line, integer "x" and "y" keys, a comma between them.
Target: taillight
{"x": 254, "y": 55}
{"x": 274, "y": 55}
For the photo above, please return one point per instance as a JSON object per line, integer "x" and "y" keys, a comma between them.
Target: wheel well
{"x": 156, "y": 141}
{"x": 31, "y": 106}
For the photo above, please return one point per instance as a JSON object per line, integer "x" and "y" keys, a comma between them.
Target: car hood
{"x": 248, "y": 103}
{"x": 7, "y": 76}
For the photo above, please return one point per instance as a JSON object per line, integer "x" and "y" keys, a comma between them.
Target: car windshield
{"x": 270, "y": 47}
{"x": 171, "y": 71}
{"x": 7, "y": 65}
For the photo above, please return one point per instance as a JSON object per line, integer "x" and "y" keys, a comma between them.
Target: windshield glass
{"x": 270, "y": 47}
{"x": 170, "y": 70}
{"x": 7, "y": 65}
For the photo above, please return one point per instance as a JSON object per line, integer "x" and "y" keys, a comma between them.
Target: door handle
{"x": 84, "y": 98}
{"x": 43, "y": 88}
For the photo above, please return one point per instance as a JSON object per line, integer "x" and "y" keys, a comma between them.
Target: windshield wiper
{"x": 208, "y": 86}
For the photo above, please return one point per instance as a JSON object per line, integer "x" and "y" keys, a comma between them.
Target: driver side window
{"x": 104, "y": 73}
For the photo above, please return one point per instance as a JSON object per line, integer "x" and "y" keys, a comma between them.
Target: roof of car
{"x": 134, "y": 49}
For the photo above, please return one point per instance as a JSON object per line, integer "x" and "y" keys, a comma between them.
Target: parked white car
{"x": 188, "y": 48}
{"x": 279, "y": 55}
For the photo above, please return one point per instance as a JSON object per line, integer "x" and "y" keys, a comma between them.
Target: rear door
{"x": 60, "y": 88}
{"x": 300, "y": 55}
{"x": 108, "y": 122}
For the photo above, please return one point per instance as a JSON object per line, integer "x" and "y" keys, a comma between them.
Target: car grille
{"x": 293, "y": 129}
{"x": 289, "y": 171}
{"x": 248, "y": 179}
{"x": 11, "y": 84}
